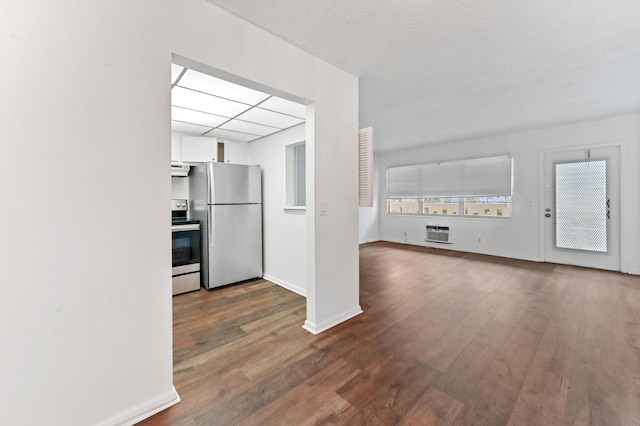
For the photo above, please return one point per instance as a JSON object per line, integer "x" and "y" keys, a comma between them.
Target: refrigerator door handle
{"x": 210, "y": 222}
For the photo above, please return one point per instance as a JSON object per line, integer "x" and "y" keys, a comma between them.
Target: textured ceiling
{"x": 434, "y": 71}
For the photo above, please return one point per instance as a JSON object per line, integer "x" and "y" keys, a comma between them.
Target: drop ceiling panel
{"x": 206, "y": 103}
{"x": 246, "y": 127}
{"x": 232, "y": 136}
{"x": 196, "y": 117}
{"x": 179, "y": 126}
{"x": 224, "y": 89}
{"x": 262, "y": 116}
{"x": 284, "y": 106}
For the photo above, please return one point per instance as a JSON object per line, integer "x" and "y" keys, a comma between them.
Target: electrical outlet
{"x": 405, "y": 236}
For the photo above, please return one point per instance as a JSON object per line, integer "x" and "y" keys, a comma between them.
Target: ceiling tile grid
{"x": 202, "y": 104}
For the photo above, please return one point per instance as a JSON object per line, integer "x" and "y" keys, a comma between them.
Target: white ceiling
{"x": 433, "y": 71}
{"x": 205, "y": 105}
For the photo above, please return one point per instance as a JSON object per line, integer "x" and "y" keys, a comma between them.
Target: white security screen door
{"x": 581, "y": 208}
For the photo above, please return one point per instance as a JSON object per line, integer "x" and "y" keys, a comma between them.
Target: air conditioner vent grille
{"x": 438, "y": 234}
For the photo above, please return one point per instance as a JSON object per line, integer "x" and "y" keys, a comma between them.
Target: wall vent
{"x": 438, "y": 234}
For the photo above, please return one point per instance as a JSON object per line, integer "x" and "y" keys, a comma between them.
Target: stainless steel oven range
{"x": 185, "y": 249}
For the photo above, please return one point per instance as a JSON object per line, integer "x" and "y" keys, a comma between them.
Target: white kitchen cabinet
{"x": 196, "y": 149}
{"x": 235, "y": 152}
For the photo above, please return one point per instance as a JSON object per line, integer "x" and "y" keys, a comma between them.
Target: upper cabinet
{"x": 197, "y": 149}
{"x": 235, "y": 152}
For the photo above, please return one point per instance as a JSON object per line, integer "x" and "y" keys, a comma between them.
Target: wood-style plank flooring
{"x": 446, "y": 338}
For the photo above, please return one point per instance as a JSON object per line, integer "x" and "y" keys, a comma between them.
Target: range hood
{"x": 180, "y": 170}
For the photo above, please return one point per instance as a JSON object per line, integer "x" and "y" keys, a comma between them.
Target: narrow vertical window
{"x": 296, "y": 174}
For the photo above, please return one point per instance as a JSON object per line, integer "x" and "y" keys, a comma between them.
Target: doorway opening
{"x": 220, "y": 117}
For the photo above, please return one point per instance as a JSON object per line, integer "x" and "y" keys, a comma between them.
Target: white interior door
{"x": 581, "y": 210}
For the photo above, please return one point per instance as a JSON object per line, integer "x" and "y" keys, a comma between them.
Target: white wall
{"x": 176, "y": 146}
{"x": 180, "y": 187}
{"x": 86, "y": 304}
{"x": 284, "y": 231}
{"x": 520, "y": 236}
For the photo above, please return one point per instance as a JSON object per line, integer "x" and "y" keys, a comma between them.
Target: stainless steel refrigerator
{"x": 227, "y": 199}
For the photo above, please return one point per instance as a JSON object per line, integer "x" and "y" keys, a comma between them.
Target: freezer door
{"x": 234, "y": 183}
{"x": 234, "y": 243}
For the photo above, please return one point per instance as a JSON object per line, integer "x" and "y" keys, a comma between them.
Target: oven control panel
{"x": 179, "y": 205}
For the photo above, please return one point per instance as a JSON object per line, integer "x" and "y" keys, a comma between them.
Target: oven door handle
{"x": 179, "y": 228}
{"x": 211, "y": 220}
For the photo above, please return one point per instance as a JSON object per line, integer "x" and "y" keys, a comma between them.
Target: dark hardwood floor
{"x": 446, "y": 338}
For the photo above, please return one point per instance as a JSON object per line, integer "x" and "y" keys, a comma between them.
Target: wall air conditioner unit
{"x": 438, "y": 234}
{"x": 180, "y": 170}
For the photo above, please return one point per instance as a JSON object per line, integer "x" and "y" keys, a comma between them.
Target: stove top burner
{"x": 183, "y": 221}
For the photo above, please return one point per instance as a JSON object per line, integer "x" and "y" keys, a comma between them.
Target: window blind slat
{"x": 467, "y": 178}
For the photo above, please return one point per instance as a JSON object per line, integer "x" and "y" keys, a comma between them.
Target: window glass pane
{"x": 581, "y": 205}
{"x": 441, "y": 205}
{"x": 403, "y": 205}
{"x": 494, "y": 206}
{"x": 300, "y": 172}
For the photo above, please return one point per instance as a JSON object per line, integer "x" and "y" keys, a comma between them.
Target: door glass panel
{"x": 581, "y": 205}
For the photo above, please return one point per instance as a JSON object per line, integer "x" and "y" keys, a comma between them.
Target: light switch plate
{"x": 324, "y": 211}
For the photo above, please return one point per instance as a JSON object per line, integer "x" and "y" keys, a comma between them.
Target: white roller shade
{"x": 467, "y": 178}
{"x": 403, "y": 182}
{"x": 443, "y": 179}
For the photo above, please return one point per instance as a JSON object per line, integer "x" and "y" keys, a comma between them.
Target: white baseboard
{"x": 331, "y": 322}
{"x": 282, "y": 283}
{"x": 140, "y": 412}
{"x": 369, "y": 241}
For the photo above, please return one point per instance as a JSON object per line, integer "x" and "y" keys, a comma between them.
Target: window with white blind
{"x": 475, "y": 187}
